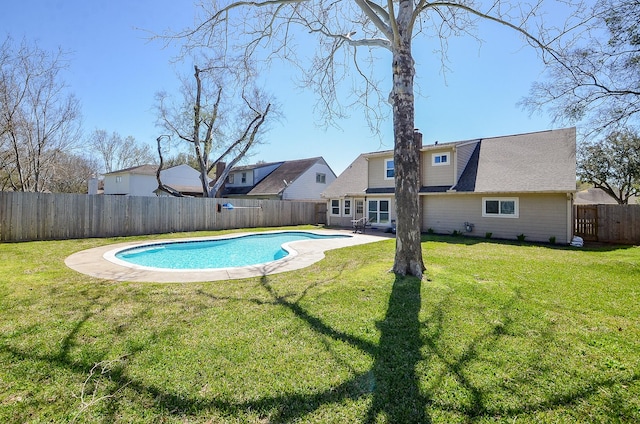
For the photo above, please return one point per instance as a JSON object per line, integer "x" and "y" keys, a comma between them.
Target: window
{"x": 347, "y": 207}
{"x": 118, "y": 179}
{"x": 244, "y": 177}
{"x": 378, "y": 211}
{"x": 321, "y": 178}
{"x": 389, "y": 169}
{"x": 230, "y": 178}
{"x": 500, "y": 207}
{"x": 438, "y": 159}
{"x": 335, "y": 207}
{"x": 359, "y": 207}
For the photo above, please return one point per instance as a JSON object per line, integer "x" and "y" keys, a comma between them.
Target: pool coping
{"x": 92, "y": 262}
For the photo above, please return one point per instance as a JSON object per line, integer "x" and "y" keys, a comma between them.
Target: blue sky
{"x": 115, "y": 72}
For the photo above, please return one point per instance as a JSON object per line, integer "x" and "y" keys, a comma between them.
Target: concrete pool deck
{"x": 306, "y": 252}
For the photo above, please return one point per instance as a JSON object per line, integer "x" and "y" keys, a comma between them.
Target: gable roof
{"x": 139, "y": 170}
{"x": 284, "y": 175}
{"x": 597, "y": 196}
{"x": 273, "y": 184}
{"x": 352, "y": 181}
{"x": 534, "y": 162}
{"x": 254, "y": 166}
{"x": 538, "y": 162}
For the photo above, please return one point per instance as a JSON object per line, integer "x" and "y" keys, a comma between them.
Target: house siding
{"x": 142, "y": 185}
{"x": 237, "y": 179}
{"x": 438, "y": 175}
{"x": 463, "y": 154}
{"x": 541, "y": 216}
{"x": 377, "y": 172}
{"x": 305, "y": 186}
{"x": 263, "y": 171}
{"x": 182, "y": 175}
{"x": 113, "y": 187}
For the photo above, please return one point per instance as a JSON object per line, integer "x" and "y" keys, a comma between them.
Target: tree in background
{"x": 613, "y": 165}
{"x": 71, "y": 173}
{"x": 597, "y": 76}
{"x": 344, "y": 36}
{"x": 39, "y": 119}
{"x": 115, "y": 152}
{"x": 213, "y": 123}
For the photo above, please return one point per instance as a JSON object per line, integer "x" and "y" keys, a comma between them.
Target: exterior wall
{"x": 263, "y": 171}
{"x": 305, "y": 186}
{"x": 438, "y": 175}
{"x": 142, "y": 185}
{"x": 145, "y": 184}
{"x": 342, "y": 219}
{"x": 237, "y": 179}
{"x": 541, "y": 216}
{"x": 377, "y": 172}
{"x": 130, "y": 185}
{"x": 463, "y": 154}
{"x": 113, "y": 187}
{"x": 182, "y": 175}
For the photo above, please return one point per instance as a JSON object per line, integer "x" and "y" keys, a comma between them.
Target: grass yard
{"x": 500, "y": 332}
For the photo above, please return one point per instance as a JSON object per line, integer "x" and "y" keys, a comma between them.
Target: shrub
{"x": 456, "y": 233}
{"x": 521, "y": 237}
{"x": 552, "y": 239}
{"x": 488, "y": 234}
{"x": 430, "y": 230}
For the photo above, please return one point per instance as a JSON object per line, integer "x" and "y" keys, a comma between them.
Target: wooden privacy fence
{"x": 45, "y": 216}
{"x": 608, "y": 223}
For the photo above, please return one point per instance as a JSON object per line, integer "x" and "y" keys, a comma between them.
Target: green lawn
{"x": 497, "y": 332}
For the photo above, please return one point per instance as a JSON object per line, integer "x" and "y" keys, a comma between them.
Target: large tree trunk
{"x": 408, "y": 259}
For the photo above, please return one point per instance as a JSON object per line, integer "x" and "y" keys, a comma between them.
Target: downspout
{"x": 570, "y": 217}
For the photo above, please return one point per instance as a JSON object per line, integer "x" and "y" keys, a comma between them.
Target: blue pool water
{"x": 221, "y": 253}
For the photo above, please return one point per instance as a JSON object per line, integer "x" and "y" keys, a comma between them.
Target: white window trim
{"x": 378, "y": 211}
{"x": 435, "y": 155}
{"x": 385, "y": 169}
{"x": 359, "y": 202}
{"x": 515, "y": 201}
{"x": 321, "y": 178}
{"x": 344, "y": 207}
{"x": 331, "y": 207}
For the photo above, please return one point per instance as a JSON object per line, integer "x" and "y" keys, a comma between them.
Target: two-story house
{"x": 505, "y": 186}
{"x": 142, "y": 181}
{"x": 303, "y": 179}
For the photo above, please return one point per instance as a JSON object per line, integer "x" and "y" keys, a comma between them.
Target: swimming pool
{"x": 231, "y": 252}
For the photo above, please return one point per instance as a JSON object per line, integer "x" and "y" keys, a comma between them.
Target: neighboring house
{"x": 303, "y": 179}
{"x": 506, "y": 186}
{"x": 597, "y": 196}
{"x": 141, "y": 181}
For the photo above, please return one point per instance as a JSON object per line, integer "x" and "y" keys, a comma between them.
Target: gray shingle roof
{"x": 289, "y": 171}
{"x": 352, "y": 181}
{"x": 140, "y": 170}
{"x": 534, "y": 162}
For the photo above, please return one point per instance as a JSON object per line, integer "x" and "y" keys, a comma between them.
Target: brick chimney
{"x": 417, "y": 136}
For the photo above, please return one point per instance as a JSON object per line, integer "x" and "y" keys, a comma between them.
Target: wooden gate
{"x": 321, "y": 213}
{"x": 586, "y": 222}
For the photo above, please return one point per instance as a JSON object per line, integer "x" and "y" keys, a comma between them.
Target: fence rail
{"x": 45, "y": 216}
{"x": 608, "y": 223}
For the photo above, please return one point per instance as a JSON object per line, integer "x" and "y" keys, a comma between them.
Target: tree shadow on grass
{"x": 391, "y": 387}
{"x": 392, "y": 379}
{"x": 397, "y": 391}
